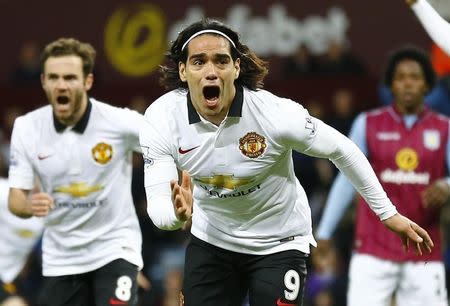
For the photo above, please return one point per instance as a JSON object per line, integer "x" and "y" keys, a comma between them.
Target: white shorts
{"x": 373, "y": 282}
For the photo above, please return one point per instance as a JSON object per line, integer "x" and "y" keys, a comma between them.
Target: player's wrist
{"x": 25, "y": 210}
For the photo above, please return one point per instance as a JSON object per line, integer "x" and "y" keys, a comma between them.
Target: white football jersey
{"x": 17, "y": 239}
{"x": 246, "y": 196}
{"x": 87, "y": 169}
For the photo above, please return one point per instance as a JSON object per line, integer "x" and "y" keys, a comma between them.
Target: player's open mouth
{"x": 63, "y": 99}
{"x": 211, "y": 94}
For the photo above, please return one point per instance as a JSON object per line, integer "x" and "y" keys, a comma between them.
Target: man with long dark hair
{"x": 251, "y": 224}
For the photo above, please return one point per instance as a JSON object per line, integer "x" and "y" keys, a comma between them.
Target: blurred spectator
{"x": 172, "y": 287}
{"x": 18, "y": 239}
{"x": 343, "y": 110}
{"x": 301, "y": 63}
{"x": 315, "y": 108}
{"x": 338, "y": 60}
{"x": 139, "y": 103}
{"x": 28, "y": 68}
{"x": 323, "y": 272}
{"x": 437, "y": 99}
{"x": 10, "y": 114}
{"x": 323, "y": 298}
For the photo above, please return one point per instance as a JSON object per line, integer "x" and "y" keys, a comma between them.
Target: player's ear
{"x": 89, "y": 81}
{"x": 237, "y": 66}
{"x": 182, "y": 71}
{"x": 42, "y": 80}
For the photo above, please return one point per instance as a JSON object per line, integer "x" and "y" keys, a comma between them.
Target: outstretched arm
{"x": 436, "y": 26}
{"x": 349, "y": 159}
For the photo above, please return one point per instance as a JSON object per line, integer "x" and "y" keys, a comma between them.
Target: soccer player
{"x": 436, "y": 26}
{"x": 251, "y": 223}
{"x": 18, "y": 239}
{"x": 409, "y": 149}
{"x": 80, "y": 149}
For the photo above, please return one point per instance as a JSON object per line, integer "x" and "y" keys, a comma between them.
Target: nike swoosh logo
{"x": 43, "y": 156}
{"x": 280, "y": 303}
{"x": 117, "y": 302}
{"x": 181, "y": 151}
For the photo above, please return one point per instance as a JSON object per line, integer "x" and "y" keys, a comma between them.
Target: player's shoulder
{"x": 34, "y": 119}
{"x": 269, "y": 100}
{"x": 379, "y": 111}
{"x": 438, "y": 116}
{"x": 112, "y": 113}
{"x": 168, "y": 103}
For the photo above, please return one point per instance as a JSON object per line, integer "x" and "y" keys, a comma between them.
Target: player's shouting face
{"x": 210, "y": 73}
{"x": 66, "y": 87}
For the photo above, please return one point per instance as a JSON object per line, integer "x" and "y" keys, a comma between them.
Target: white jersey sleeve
{"x": 21, "y": 173}
{"x": 129, "y": 122}
{"x": 436, "y": 26}
{"x": 159, "y": 168}
{"x": 311, "y": 136}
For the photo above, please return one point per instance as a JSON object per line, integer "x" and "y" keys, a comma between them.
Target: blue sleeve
{"x": 342, "y": 191}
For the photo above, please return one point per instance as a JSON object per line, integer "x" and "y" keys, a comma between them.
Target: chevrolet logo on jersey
{"x": 78, "y": 190}
{"x": 25, "y": 233}
{"x": 224, "y": 181}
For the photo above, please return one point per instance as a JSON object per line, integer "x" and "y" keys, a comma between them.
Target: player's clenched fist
{"x": 41, "y": 204}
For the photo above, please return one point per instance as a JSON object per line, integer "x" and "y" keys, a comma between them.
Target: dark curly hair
{"x": 410, "y": 53}
{"x": 253, "y": 69}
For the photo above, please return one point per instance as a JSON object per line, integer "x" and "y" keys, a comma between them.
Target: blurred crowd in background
{"x": 163, "y": 252}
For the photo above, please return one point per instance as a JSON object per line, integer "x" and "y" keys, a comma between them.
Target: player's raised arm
{"x": 435, "y": 25}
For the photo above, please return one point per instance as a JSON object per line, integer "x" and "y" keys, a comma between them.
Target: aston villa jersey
{"x": 407, "y": 161}
{"x": 87, "y": 170}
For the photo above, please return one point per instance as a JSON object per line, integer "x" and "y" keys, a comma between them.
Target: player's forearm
{"x": 358, "y": 170}
{"x": 160, "y": 208}
{"x": 349, "y": 159}
{"x": 19, "y": 203}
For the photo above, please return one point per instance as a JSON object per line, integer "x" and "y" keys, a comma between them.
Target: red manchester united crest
{"x": 102, "y": 153}
{"x": 252, "y": 145}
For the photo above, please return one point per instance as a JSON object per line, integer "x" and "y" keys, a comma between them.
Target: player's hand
{"x": 143, "y": 282}
{"x": 409, "y": 232}
{"x": 14, "y": 301}
{"x": 41, "y": 204}
{"x": 410, "y": 2}
{"x": 182, "y": 197}
{"x": 437, "y": 194}
{"x": 323, "y": 247}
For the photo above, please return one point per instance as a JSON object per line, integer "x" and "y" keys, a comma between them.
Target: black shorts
{"x": 113, "y": 284}
{"x": 7, "y": 290}
{"x": 217, "y": 277}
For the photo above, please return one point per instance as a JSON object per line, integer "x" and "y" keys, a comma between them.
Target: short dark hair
{"x": 70, "y": 46}
{"x": 411, "y": 53}
{"x": 253, "y": 69}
